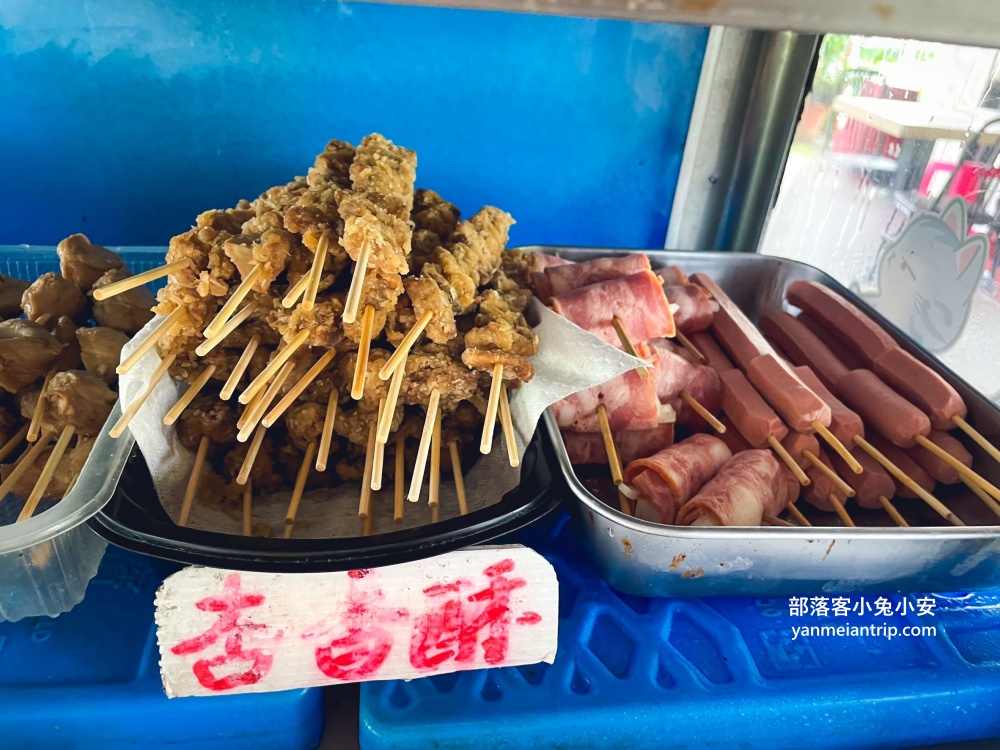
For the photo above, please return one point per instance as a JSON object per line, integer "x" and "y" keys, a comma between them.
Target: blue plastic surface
{"x": 90, "y": 679}
{"x": 720, "y": 672}
{"x": 125, "y": 120}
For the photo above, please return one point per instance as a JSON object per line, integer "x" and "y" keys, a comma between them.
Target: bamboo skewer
{"x": 379, "y": 457}
{"x": 702, "y": 412}
{"x": 627, "y": 344}
{"x": 248, "y": 411}
{"x": 399, "y": 497}
{"x": 978, "y": 492}
{"x": 357, "y": 284}
{"x": 973, "y": 433}
{"x": 300, "y": 486}
{"x": 140, "y": 278}
{"x": 508, "y": 429}
{"x": 260, "y": 407}
{"x": 245, "y": 287}
{"x": 297, "y": 290}
{"x": 189, "y": 395}
{"x": 194, "y": 480}
{"x": 241, "y": 367}
{"x": 417, "y": 480}
{"x": 456, "y": 470}
{"x": 323, "y": 455}
{"x": 435, "y": 513}
{"x": 963, "y": 471}
{"x": 369, "y": 523}
{"x": 13, "y": 443}
{"x": 231, "y": 325}
{"x": 609, "y": 445}
{"x": 795, "y": 513}
{"x": 824, "y": 432}
{"x": 258, "y": 438}
{"x": 39, "y": 413}
{"x": 841, "y": 510}
{"x": 775, "y": 521}
{"x": 134, "y": 407}
{"x": 786, "y": 457}
{"x": 894, "y": 514}
{"x": 48, "y": 471}
{"x": 434, "y": 495}
{"x": 830, "y": 474}
{"x": 689, "y": 345}
{"x": 280, "y": 358}
{"x": 399, "y": 356}
{"x": 165, "y": 326}
{"x": 248, "y": 509}
{"x": 298, "y": 388}
{"x": 316, "y": 272}
{"x": 364, "y": 347}
{"x": 386, "y": 415}
{"x": 24, "y": 464}
{"x": 364, "y": 507}
{"x": 486, "y": 444}
{"x": 904, "y": 479}
{"x": 43, "y": 319}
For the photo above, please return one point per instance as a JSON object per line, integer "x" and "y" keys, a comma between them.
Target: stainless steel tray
{"x": 648, "y": 559}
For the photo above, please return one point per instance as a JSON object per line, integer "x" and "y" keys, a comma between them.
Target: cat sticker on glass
{"x": 927, "y": 276}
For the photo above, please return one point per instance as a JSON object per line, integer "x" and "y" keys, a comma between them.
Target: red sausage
{"x": 906, "y": 464}
{"x": 870, "y": 484}
{"x": 933, "y": 465}
{"x": 755, "y": 420}
{"x": 795, "y": 402}
{"x": 882, "y": 409}
{"x": 732, "y": 437}
{"x": 565, "y": 278}
{"x": 803, "y": 346}
{"x": 819, "y": 489}
{"x": 695, "y": 308}
{"x": 841, "y": 352}
{"x": 844, "y": 422}
{"x": 921, "y": 385}
{"x": 855, "y": 329}
{"x": 734, "y": 330}
{"x": 714, "y": 356}
{"x": 797, "y": 443}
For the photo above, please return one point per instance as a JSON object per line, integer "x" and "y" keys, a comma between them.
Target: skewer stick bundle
{"x": 134, "y": 407}
{"x": 400, "y": 481}
{"x": 841, "y": 510}
{"x": 963, "y": 471}
{"x": 904, "y": 479}
{"x": 833, "y": 442}
{"x": 973, "y": 433}
{"x": 398, "y": 357}
{"x": 790, "y": 462}
{"x": 231, "y": 325}
{"x": 194, "y": 480}
{"x": 141, "y": 278}
{"x": 316, "y": 272}
{"x": 357, "y": 284}
{"x": 434, "y": 495}
{"x": 364, "y": 347}
{"x": 248, "y": 411}
{"x": 24, "y": 463}
{"x": 456, "y": 468}
{"x": 829, "y": 473}
{"x": 416, "y": 482}
{"x": 323, "y": 455}
{"x": 627, "y": 345}
{"x": 185, "y": 401}
{"x": 245, "y": 287}
{"x": 491, "y": 409}
{"x": 614, "y": 462}
{"x": 241, "y": 367}
{"x": 508, "y": 429}
{"x": 298, "y": 388}
{"x": 273, "y": 366}
{"x": 39, "y": 413}
{"x": 894, "y": 514}
{"x": 150, "y": 341}
{"x": 702, "y": 412}
{"x": 300, "y": 485}
{"x": 47, "y": 472}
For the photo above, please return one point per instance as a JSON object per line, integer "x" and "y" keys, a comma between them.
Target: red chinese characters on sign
{"x": 229, "y": 607}
{"x": 366, "y": 645}
{"x": 451, "y": 628}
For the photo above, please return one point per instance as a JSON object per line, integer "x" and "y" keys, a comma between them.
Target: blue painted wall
{"x": 125, "y": 119}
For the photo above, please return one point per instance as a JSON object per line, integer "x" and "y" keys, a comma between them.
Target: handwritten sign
{"x": 225, "y": 632}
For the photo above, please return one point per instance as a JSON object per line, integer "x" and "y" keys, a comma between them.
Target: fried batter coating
{"x": 427, "y": 296}
{"x": 483, "y": 359}
{"x": 209, "y": 417}
{"x": 427, "y": 369}
{"x": 322, "y": 322}
{"x": 188, "y": 366}
{"x": 305, "y": 423}
{"x": 434, "y": 220}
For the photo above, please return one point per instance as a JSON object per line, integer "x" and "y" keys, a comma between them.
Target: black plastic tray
{"x": 135, "y": 519}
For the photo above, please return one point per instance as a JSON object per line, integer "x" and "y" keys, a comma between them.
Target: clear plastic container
{"x": 47, "y": 561}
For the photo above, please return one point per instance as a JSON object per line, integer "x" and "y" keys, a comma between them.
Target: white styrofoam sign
{"x": 224, "y": 632}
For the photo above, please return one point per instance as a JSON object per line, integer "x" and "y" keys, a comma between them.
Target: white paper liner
{"x": 569, "y": 360}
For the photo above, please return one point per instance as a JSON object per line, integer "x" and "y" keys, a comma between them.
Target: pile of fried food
{"x": 57, "y": 367}
{"x": 343, "y": 320}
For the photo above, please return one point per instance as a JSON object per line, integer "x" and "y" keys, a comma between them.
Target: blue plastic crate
{"x": 90, "y": 679}
{"x": 719, "y": 672}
